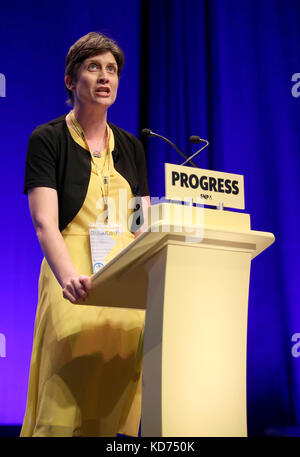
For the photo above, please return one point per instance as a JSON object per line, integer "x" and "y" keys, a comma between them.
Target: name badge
{"x": 106, "y": 241}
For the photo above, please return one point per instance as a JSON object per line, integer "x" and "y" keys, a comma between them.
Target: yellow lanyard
{"x": 105, "y": 181}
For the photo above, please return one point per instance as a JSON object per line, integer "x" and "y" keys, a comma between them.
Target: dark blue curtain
{"x": 222, "y": 69}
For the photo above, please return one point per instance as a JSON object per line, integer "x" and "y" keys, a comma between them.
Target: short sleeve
{"x": 40, "y": 165}
{"x": 141, "y": 170}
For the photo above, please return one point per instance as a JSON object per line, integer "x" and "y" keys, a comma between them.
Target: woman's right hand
{"x": 77, "y": 288}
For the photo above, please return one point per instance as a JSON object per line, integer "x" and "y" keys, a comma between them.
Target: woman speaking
{"x": 85, "y": 378}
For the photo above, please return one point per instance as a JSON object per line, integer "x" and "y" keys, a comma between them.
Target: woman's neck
{"x": 92, "y": 121}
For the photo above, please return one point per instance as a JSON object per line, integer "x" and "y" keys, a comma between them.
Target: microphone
{"x": 147, "y": 132}
{"x": 196, "y": 139}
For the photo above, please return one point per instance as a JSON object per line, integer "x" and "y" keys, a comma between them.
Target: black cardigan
{"x": 55, "y": 160}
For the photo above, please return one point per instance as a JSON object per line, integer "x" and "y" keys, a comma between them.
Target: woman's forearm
{"x": 43, "y": 204}
{"x": 56, "y": 253}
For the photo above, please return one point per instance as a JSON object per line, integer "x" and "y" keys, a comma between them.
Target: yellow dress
{"x": 85, "y": 377}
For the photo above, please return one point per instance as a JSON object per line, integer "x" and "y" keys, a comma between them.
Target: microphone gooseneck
{"x": 147, "y": 132}
{"x": 196, "y": 139}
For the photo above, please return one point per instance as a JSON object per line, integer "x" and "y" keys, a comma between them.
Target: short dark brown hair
{"x": 92, "y": 44}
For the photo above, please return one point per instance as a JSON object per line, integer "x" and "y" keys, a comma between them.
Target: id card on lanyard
{"x": 106, "y": 241}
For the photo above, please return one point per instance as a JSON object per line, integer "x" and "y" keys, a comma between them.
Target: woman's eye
{"x": 95, "y": 67}
{"x": 92, "y": 66}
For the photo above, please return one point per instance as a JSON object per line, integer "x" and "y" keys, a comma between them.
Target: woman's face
{"x": 97, "y": 81}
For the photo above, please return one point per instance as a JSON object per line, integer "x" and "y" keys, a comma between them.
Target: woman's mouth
{"x": 103, "y": 91}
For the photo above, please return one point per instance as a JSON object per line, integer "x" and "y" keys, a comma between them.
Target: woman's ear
{"x": 69, "y": 83}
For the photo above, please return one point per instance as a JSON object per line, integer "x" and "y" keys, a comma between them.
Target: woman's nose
{"x": 103, "y": 77}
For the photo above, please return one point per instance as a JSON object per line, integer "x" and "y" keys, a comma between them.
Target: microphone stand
{"x": 148, "y": 132}
{"x": 189, "y": 159}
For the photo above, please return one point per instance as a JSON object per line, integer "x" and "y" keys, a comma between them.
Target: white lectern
{"x": 194, "y": 286}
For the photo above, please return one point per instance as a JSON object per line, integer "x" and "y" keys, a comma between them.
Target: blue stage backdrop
{"x": 223, "y": 69}
{"x": 226, "y": 70}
